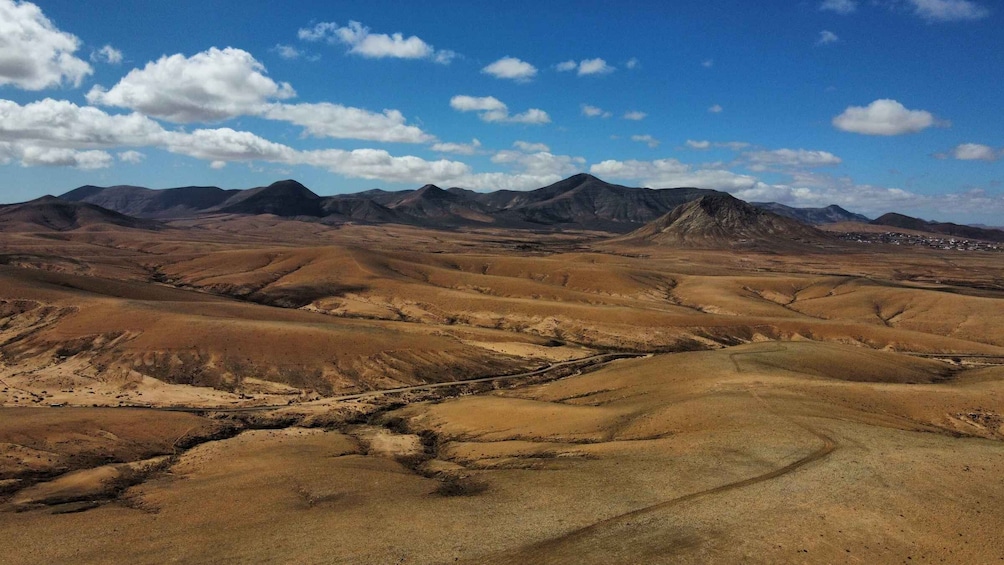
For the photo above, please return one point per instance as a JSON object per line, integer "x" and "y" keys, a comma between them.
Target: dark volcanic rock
{"x": 723, "y": 221}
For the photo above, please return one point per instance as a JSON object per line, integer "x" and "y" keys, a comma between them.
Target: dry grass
{"x": 789, "y": 425}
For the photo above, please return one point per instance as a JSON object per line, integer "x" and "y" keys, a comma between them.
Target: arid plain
{"x": 209, "y": 391}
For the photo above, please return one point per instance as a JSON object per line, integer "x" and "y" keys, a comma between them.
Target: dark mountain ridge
{"x": 831, "y": 214}
{"x": 51, "y": 213}
{"x": 893, "y": 219}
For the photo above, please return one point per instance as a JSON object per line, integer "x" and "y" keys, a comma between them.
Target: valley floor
{"x": 204, "y": 396}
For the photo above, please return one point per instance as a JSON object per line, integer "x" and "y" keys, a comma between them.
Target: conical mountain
{"x": 283, "y": 198}
{"x": 723, "y": 221}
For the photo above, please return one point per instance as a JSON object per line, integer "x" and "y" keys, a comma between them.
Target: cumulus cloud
{"x": 528, "y": 147}
{"x": 948, "y": 10}
{"x": 34, "y": 54}
{"x": 107, "y": 54}
{"x": 586, "y": 67}
{"x": 63, "y": 123}
{"x": 632, "y": 63}
{"x": 716, "y": 109}
{"x": 217, "y": 165}
{"x": 883, "y": 117}
{"x": 210, "y": 86}
{"x": 594, "y": 67}
{"x": 344, "y": 122}
{"x": 635, "y": 115}
{"x": 792, "y": 158}
{"x": 672, "y": 173}
{"x": 704, "y": 144}
{"x": 594, "y": 112}
{"x": 839, "y": 6}
{"x": 511, "y": 68}
{"x": 827, "y": 37}
{"x": 361, "y": 41}
{"x": 647, "y": 140}
{"x": 287, "y": 52}
{"x": 458, "y": 148}
{"x": 37, "y": 156}
{"x": 131, "y": 156}
{"x": 974, "y": 152}
{"x": 530, "y": 170}
{"x": 491, "y": 109}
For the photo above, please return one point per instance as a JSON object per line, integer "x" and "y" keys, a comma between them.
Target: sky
{"x": 874, "y": 105}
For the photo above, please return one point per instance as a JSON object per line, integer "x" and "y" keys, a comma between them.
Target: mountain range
{"x": 581, "y": 201}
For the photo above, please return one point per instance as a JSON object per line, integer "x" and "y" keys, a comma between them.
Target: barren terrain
{"x": 256, "y": 389}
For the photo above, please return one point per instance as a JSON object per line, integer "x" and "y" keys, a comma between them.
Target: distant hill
{"x": 283, "y": 198}
{"x": 944, "y": 228}
{"x": 53, "y": 214}
{"x": 832, "y": 214}
{"x": 722, "y": 221}
{"x": 431, "y": 203}
{"x": 142, "y": 202}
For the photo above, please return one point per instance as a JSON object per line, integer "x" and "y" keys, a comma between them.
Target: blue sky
{"x": 875, "y": 105}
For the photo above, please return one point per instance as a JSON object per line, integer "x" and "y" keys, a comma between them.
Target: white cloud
{"x": 708, "y": 63}
{"x": 672, "y": 173}
{"x": 839, "y": 6}
{"x": 715, "y": 109}
{"x": 647, "y": 140}
{"x": 533, "y": 116}
{"x": 532, "y": 170}
{"x": 377, "y": 164}
{"x": 793, "y": 158}
{"x": 594, "y": 112}
{"x": 343, "y": 122}
{"x": 34, "y": 54}
{"x": 632, "y": 63}
{"x": 698, "y": 144}
{"x": 225, "y": 144}
{"x": 107, "y": 54}
{"x": 883, "y": 117}
{"x": 974, "y": 152}
{"x": 131, "y": 156}
{"x": 586, "y": 67}
{"x": 362, "y": 42}
{"x": 949, "y": 10}
{"x": 209, "y": 86}
{"x": 594, "y": 67}
{"x": 511, "y": 68}
{"x": 287, "y": 52}
{"x": 218, "y": 165}
{"x": 464, "y": 103}
{"x": 458, "y": 148}
{"x": 635, "y": 115}
{"x": 527, "y": 147}
{"x": 827, "y": 37}
{"x": 37, "y": 156}
{"x": 491, "y": 109}
{"x": 64, "y": 124}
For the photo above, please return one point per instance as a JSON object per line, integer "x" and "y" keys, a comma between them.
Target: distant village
{"x": 933, "y": 241}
